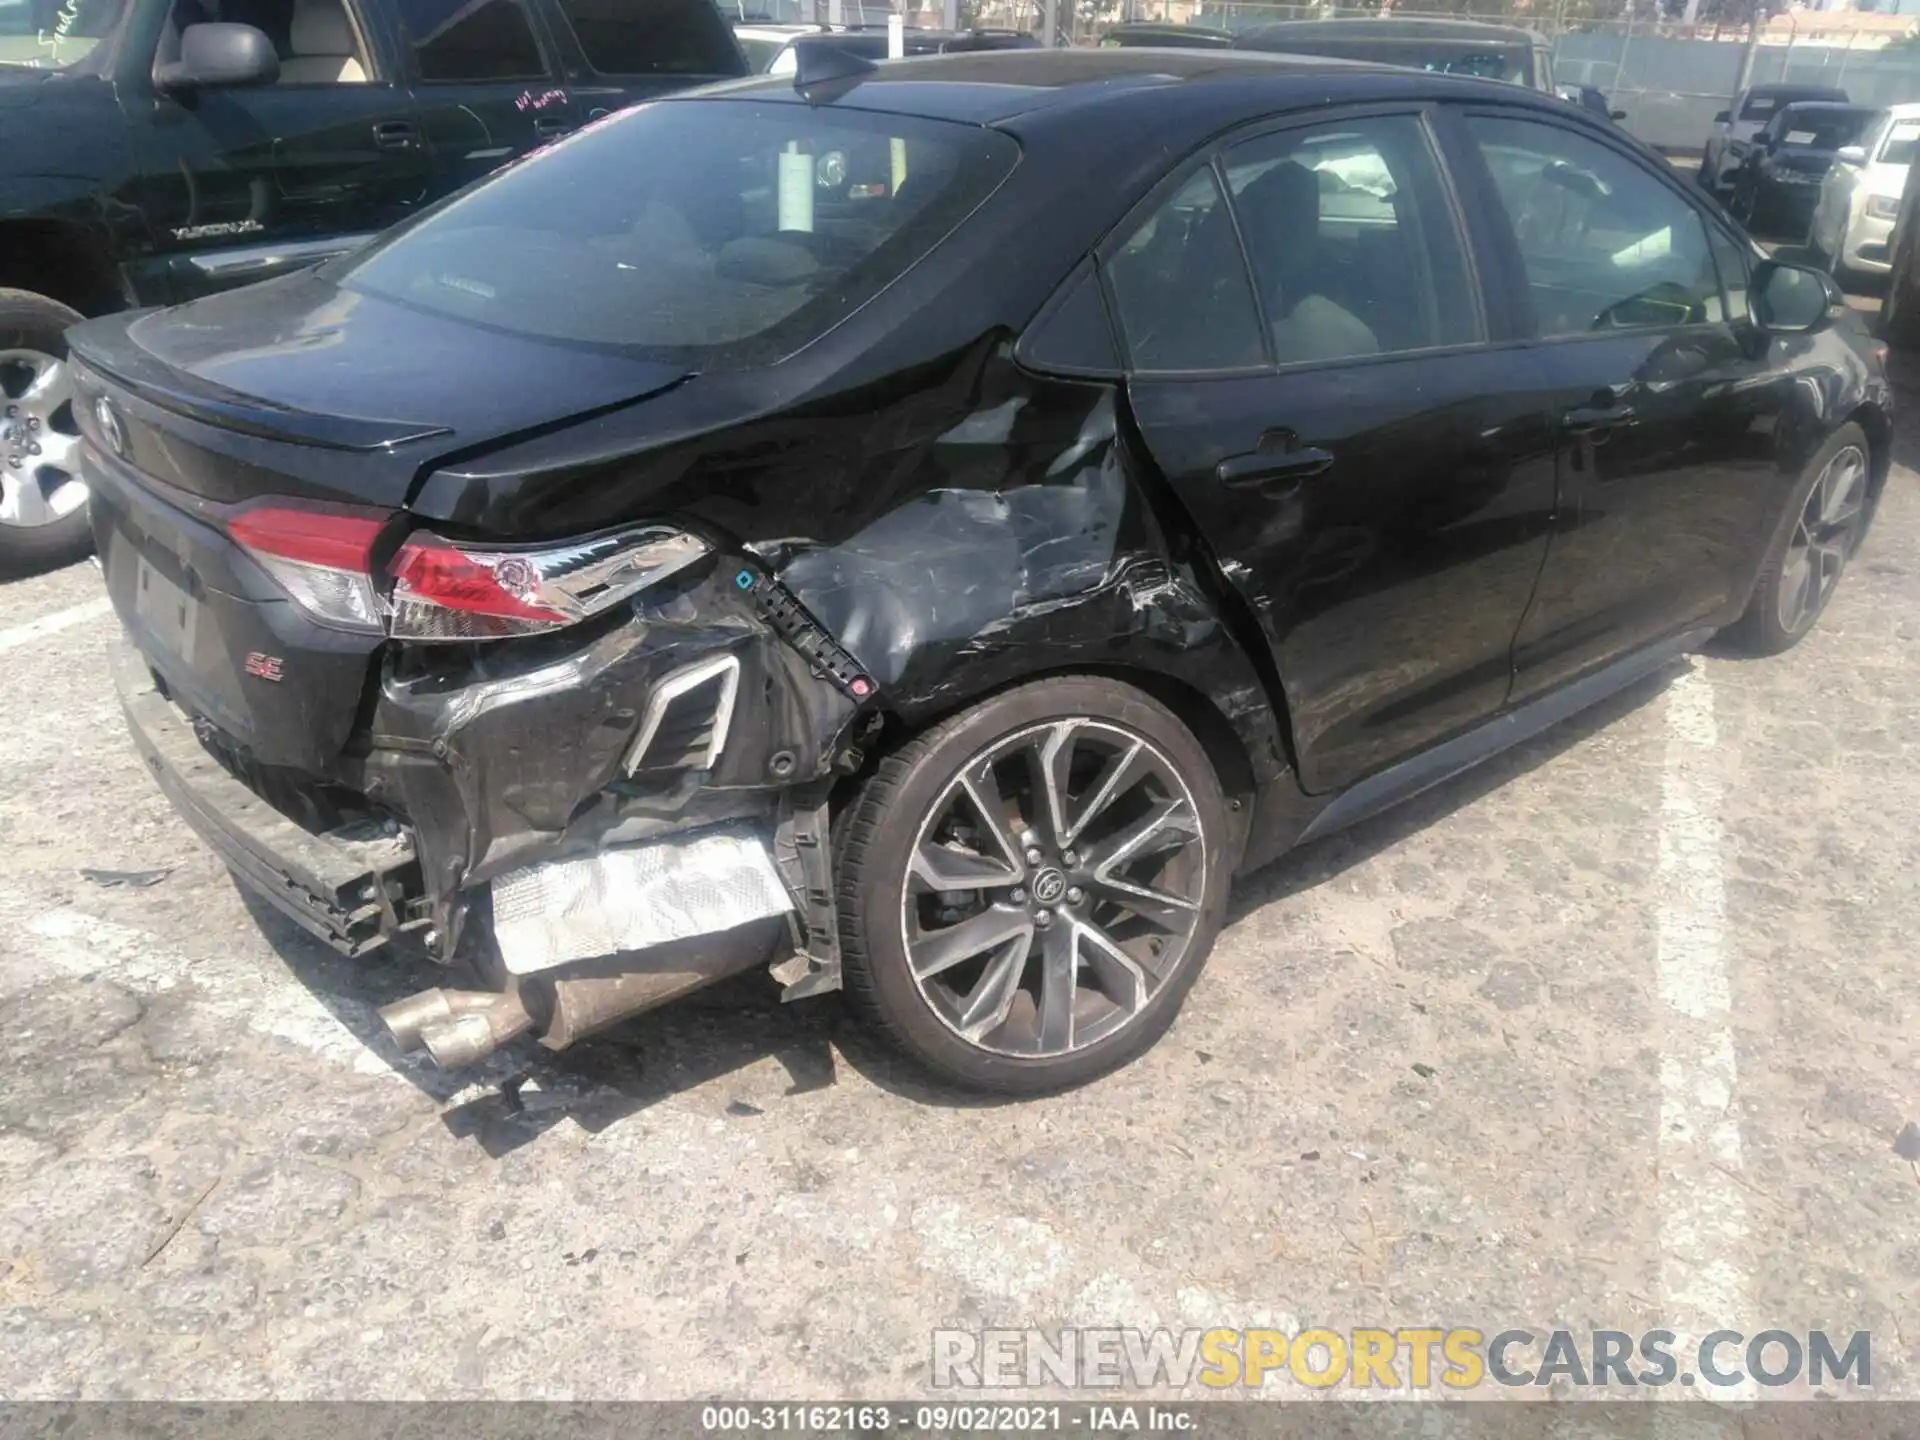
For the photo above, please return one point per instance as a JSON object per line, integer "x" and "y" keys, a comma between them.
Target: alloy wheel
{"x": 1822, "y": 538}
{"x": 1054, "y": 887}
{"x": 39, "y": 441}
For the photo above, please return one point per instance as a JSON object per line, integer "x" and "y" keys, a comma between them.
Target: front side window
{"x": 471, "y": 40}
{"x": 1352, "y": 242}
{"x": 662, "y": 37}
{"x": 708, "y": 232}
{"x": 1606, "y": 245}
{"x": 56, "y": 34}
{"x": 1179, "y": 286}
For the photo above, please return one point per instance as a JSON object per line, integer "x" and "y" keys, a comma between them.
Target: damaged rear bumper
{"x": 354, "y": 888}
{"x": 564, "y": 944}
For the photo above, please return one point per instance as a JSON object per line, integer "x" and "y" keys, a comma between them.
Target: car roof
{"x": 991, "y": 86}
{"x": 1166, "y": 27}
{"x": 1397, "y": 30}
{"x": 1826, "y": 107}
{"x": 1812, "y": 92}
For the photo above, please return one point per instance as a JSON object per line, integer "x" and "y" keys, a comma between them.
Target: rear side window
{"x": 1352, "y": 241}
{"x": 660, "y": 37}
{"x": 708, "y": 232}
{"x": 1606, "y": 245}
{"x": 471, "y": 40}
{"x": 1180, "y": 286}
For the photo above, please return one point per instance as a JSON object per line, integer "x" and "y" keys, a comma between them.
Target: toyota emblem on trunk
{"x": 110, "y": 426}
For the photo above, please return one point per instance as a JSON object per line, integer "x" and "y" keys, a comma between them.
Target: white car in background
{"x": 1860, "y": 197}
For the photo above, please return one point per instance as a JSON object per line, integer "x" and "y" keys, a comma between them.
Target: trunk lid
{"x": 297, "y": 387}
{"x": 291, "y": 390}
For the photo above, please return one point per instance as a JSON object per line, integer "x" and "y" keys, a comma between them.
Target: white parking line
{"x": 52, "y": 624}
{"x": 1702, "y": 1207}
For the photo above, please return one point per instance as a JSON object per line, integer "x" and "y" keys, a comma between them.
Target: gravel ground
{"x": 1616, "y": 1032}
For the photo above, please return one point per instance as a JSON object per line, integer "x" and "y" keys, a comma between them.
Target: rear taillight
{"x": 443, "y": 591}
{"x": 324, "y": 561}
{"x": 433, "y": 589}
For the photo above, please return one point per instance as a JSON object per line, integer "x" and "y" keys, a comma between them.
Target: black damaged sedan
{"x": 926, "y": 528}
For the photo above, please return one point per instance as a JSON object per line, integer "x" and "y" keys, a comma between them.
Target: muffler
{"x": 462, "y": 1027}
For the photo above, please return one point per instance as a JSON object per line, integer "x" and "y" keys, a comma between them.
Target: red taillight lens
{"x": 443, "y": 593}
{"x": 322, "y": 559}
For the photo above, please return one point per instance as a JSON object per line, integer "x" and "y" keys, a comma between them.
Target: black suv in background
{"x": 156, "y": 150}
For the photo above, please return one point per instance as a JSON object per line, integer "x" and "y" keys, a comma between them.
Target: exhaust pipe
{"x": 456, "y": 1027}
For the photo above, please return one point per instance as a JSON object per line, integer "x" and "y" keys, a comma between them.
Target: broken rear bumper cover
{"x": 675, "y": 842}
{"x": 349, "y": 888}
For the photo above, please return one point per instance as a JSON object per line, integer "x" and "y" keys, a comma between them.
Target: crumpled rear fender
{"x": 1038, "y": 547}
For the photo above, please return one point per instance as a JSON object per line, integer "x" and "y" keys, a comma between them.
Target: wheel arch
{"x": 63, "y": 261}
{"x": 1225, "y": 746}
{"x": 1878, "y": 425}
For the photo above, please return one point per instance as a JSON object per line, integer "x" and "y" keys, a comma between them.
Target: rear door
{"x": 1663, "y": 392}
{"x": 616, "y": 53}
{"x": 487, "y": 81}
{"x": 242, "y": 183}
{"x": 1373, "y": 475}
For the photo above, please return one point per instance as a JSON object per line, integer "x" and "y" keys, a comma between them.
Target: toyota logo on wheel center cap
{"x": 1048, "y": 886}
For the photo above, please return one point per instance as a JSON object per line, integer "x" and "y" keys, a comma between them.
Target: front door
{"x": 1665, "y": 400}
{"x": 1373, "y": 477}
{"x": 486, "y": 81}
{"x": 242, "y": 183}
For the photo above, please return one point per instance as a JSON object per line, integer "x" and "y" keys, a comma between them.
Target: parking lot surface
{"x": 1615, "y": 1032}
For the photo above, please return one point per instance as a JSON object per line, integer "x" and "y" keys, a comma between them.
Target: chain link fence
{"x": 1670, "y": 79}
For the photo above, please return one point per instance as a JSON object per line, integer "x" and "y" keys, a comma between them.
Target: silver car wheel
{"x": 39, "y": 442}
{"x": 1054, "y": 887}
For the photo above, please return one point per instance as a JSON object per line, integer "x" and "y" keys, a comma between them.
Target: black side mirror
{"x": 1789, "y": 298}
{"x": 219, "y": 53}
{"x": 1723, "y": 117}
{"x": 1616, "y": 114}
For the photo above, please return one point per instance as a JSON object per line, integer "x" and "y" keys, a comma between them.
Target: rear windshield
{"x": 709, "y": 232}
{"x": 1489, "y": 62}
{"x": 1823, "y": 129}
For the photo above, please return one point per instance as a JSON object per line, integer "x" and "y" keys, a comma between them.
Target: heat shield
{"x": 633, "y": 898}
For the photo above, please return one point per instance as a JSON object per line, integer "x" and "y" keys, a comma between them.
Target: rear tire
{"x": 43, "y": 511}
{"x": 941, "y": 897}
{"x": 1817, "y": 535}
